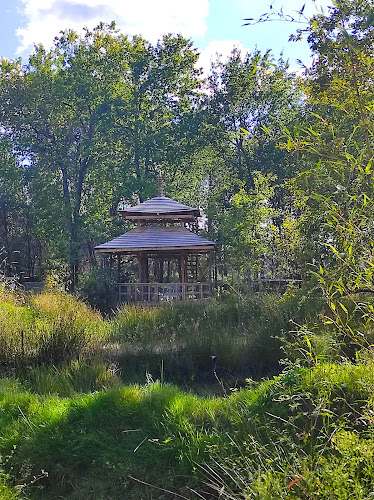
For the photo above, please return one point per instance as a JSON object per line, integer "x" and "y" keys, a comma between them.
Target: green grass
{"x": 70, "y": 378}
{"x": 70, "y": 428}
{"x": 233, "y": 338}
{"x": 49, "y": 327}
{"x": 228, "y": 339}
{"x": 320, "y": 444}
{"x": 301, "y": 426}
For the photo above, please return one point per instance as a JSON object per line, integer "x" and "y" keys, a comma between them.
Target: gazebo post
{"x": 180, "y": 268}
{"x": 146, "y": 269}
{"x": 215, "y": 269}
{"x": 141, "y": 267}
{"x": 118, "y": 267}
{"x": 140, "y": 273}
{"x": 184, "y": 277}
{"x": 210, "y": 265}
{"x": 161, "y": 270}
{"x": 168, "y": 270}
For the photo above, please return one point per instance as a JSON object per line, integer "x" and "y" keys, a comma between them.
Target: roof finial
{"x": 161, "y": 189}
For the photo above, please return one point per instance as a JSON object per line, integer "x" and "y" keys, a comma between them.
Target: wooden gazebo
{"x": 171, "y": 262}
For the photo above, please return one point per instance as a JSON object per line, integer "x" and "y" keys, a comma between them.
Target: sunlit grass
{"x": 68, "y": 411}
{"x": 48, "y": 327}
{"x": 252, "y": 444}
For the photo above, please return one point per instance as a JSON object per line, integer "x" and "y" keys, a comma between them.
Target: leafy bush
{"x": 97, "y": 288}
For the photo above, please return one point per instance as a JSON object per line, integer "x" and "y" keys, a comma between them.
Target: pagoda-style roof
{"x": 160, "y": 208}
{"x": 157, "y": 238}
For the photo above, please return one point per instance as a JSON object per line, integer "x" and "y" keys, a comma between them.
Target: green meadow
{"x": 181, "y": 402}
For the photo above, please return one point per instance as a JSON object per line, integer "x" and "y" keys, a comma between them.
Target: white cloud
{"x": 218, "y": 49}
{"x": 45, "y": 19}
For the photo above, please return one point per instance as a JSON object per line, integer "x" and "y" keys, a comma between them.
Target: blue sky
{"x": 213, "y": 25}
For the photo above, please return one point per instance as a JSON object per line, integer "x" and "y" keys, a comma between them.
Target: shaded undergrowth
{"x": 228, "y": 340}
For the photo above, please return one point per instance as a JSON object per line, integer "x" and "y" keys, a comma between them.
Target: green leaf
{"x": 343, "y": 307}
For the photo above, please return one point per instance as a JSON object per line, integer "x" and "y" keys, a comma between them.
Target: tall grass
{"x": 226, "y": 340}
{"x": 313, "y": 439}
{"x": 304, "y": 434}
{"x": 47, "y": 328}
{"x": 70, "y": 378}
{"x": 222, "y": 339}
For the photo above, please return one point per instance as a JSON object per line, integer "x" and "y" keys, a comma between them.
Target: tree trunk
{"x": 69, "y": 226}
{"x": 5, "y": 242}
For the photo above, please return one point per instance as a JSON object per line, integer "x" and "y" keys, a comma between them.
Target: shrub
{"x": 97, "y": 288}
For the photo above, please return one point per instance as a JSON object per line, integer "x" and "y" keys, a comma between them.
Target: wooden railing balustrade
{"x": 163, "y": 292}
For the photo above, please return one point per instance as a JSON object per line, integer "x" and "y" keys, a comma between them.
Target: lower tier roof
{"x": 156, "y": 238}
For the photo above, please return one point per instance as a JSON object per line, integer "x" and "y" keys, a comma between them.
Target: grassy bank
{"x": 307, "y": 433}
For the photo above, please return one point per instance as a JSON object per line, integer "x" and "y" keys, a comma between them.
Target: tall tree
{"x": 336, "y": 196}
{"x": 252, "y": 98}
{"x": 251, "y": 101}
{"x": 10, "y": 201}
{"x": 95, "y": 115}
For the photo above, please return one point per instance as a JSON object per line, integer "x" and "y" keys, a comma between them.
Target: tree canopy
{"x": 280, "y": 164}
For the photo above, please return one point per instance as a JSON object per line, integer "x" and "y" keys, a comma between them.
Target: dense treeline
{"x": 280, "y": 164}
{"x": 92, "y": 121}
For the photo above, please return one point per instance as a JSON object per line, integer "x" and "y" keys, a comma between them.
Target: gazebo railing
{"x": 163, "y": 292}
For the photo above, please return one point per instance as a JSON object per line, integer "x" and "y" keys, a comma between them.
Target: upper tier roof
{"x": 160, "y": 207}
